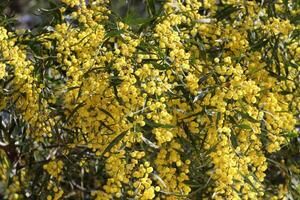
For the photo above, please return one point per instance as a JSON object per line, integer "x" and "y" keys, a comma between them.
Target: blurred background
{"x": 27, "y": 12}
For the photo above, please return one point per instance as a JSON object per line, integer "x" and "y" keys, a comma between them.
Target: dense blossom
{"x": 192, "y": 105}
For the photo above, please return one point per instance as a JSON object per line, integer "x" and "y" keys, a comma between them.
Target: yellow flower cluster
{"x": 191, "y": 106}
{"x": 54, "y": 168}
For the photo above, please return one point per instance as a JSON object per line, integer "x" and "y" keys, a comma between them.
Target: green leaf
{"x": 244, "y": 126}
{"x": 107, "y": 113}
{"x": 275, "y": 55}
{"x": 226, "y": 12}
{"x": 279, "y": 77}
{"x": 247, "y": 116}
{"x": 114, "y": 142}
{"x": 74, "y": 111}
{"x": 106, "y": 126}
{"x": 248, "y": 181}
{"x": 292, "y": 134}
{"x": 218, "y": 118}
{"x": 234, "y": 140}
{"x": 199, "y": 42}
{"x": 137, "y": 21}
{"x": 209, "y": 112}
{"x": 119, "y": 99}
{"x": 159, "y": 66}
{"x": 296, "y": 19}
{"x": 157, "y": 125}
{"x": 260, "y": 44}
{"x": 115, "y": 80}
{"x": 114, "y": 33}
{"x": 151, "y": 7}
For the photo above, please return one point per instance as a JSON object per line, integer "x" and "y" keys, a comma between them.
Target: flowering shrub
{"x": 200, "y": 100}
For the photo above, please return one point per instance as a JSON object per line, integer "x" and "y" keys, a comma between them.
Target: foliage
{"x": 193, "y": 100}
